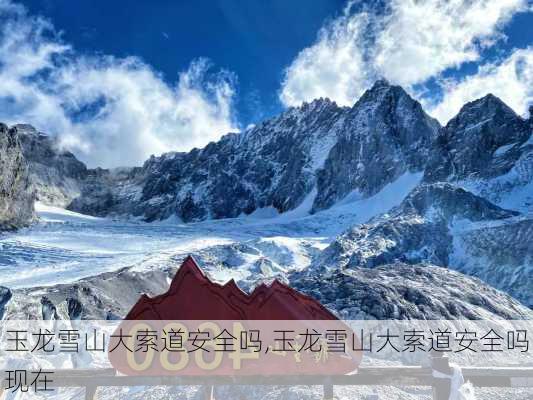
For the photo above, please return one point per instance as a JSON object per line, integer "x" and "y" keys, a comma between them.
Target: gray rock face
{"x": 385, "y": 134}
{"x": 16, "y": 195}
{"x": 318, "y": 151}
{"x": 403, "y": 291}
{"x": 5, "y": 296}
{"x": 55, "y": 174}
{"x": 484, "y": 140}
{"x": 499, "y": 254}
{"x": 106, "y": 192}
{"x": 445, "y": 226}
{"x": 91, "y": 298}
{"x": 447, "y": 202}
{"x": 416, "y": 231}
{"x": 60, "y": 179}
{"x": 269, "y": 165}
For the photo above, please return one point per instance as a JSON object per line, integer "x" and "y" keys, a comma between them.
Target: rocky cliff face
{"x": 400, "y": 291}
{"x": 385, "y": 134}
{"x": 56, "y": 175}
{"x": 484, "y": 140}
{"x": 311, "y": 156}
{"x": 16, "y": 195}
{"x": 59, "y": 178}
{"x": 445, "y": 226}
{"x": 272, "y": 165}
{"x": 472, "y": 212}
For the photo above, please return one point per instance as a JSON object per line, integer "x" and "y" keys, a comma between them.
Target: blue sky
{"x": 117, "y": 81}
{"x": 255, "y": 40}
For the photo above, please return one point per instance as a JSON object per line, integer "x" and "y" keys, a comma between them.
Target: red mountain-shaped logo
{"x": 193, "y": 296}
{"x": 200, "y": 327}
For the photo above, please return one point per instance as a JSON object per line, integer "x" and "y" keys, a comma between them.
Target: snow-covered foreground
{"x": 65, "y": 246}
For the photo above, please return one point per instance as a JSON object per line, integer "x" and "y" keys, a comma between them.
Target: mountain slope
{"x": 446, "y": 226}
{"x": 316, "y": 154}
{"x": 325, "y": 168}
{"x": 384, "y": 135}
{"x": 488, "y": 150}
{"x": 16, "y": 195}
{"x": 429, "y": 292}
{"x": 483, "y": 140}
{"x": 403, "y": 291}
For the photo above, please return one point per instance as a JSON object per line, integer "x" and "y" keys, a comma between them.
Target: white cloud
{"x": 407, "y": 43}
{"x": 510, "y": 79}
{"x": 110, "y": 111}
{"x": 333, "y": 67}
{"x": 423, "y": 38}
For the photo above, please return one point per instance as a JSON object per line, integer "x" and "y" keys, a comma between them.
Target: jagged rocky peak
{"x": 270, "y": 165}
{"x": 489, "y": 105}
{"x": 313, "y": 155}
{"x": 318, "y": 105}
{"x": 483, "y": 140}
{"x": 380, "y": 91}
{"x": 43, "y": 149}
{"x": 16, "y": 193}
{"x": 490, "y": 117}
{"x": 384, "y": 135}
{"x": 391, "y": 98}
{"x": 318, "y": 152}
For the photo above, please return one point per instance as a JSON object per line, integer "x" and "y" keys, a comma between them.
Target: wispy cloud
{"x": 404, "y": 41}
{"x": 110, "y": 111}
{"x": 421, "y": 39}
{"x": 511, "y": 79}
{"x": 335, "y": 66}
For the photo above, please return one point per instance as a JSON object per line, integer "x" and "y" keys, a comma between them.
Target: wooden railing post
{"x": 209, "y": 392}
{"x": 328, "y": 390}
{"x": 90, "y": 392}
{"x": 441, "y": 386}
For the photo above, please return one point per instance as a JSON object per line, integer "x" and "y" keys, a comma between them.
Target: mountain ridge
{"x": 471, "y": 211}
{"x": 279, "y": 163}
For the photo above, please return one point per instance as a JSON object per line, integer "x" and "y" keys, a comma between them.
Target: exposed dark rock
{"x": 402, "y": 291}
{"x": 74, "y": 308}
{"x": 484, "y": 140}
{"x": 448, "y": 202}
{"x": 316, "y": 148}
{"x": 48, "y": 309}
{"x": 445, "y": 226}
{"x": 16, "y": 194}
{"x": 385, "y": 134}
{"x": 55, "y": 174}
{"x": 5, "y": 296}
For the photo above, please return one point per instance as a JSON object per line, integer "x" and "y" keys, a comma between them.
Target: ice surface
{"x": 65, "y": 246}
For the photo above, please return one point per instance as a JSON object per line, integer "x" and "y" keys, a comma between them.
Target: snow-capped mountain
{"x": 377, "y": 195}
{"x": 314, "y": 155}
{"x": 484, "y": 140}
{"x": 447, "y": 226}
